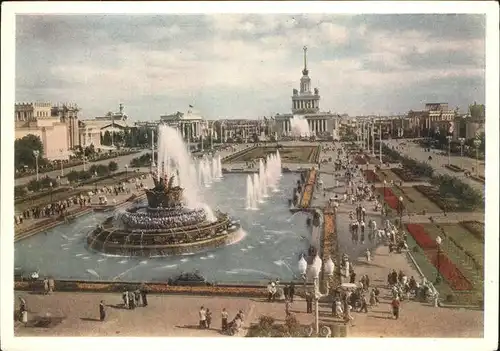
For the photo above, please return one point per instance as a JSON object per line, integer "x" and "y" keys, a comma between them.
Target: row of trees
{"x": 99, "y": 170}
{"x": 419, "y": 168}
{"x": 447, "y": 185}
{"x": 455, "y": 187}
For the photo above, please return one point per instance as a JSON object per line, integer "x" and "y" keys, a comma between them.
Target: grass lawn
{"x": 388, "y": 175}
{"x": 464, "y": 264}
{"x": 466, "y": 239}
{"x": 420, "y": 202}
{"x": 288, "y": 154}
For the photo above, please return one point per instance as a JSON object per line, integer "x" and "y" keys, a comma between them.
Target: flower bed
{"x": 475, "y": 227}
{"x": 447, "y": 268}
{"x": 329, "y": 245}
{"x": 389, "y": 197}
{"x": 421, "y": 237}
{"x": 454, "y": 168}
{"x": 371, "y": 176}
{"x": 361, "y": 159}
{"x": 449, "y": 271}
{"x": 155, "y": 288}
{"x": 404, "y": 174}
{"x": 434, "y": 195}
{"x": 308, "y": 189}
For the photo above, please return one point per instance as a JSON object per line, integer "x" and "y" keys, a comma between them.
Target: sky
{"x": 246, "y": 66}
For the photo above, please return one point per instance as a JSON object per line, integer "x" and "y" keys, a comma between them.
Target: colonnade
{"x": 315, "y": 125}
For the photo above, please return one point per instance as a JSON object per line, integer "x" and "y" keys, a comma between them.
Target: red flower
{"x": 449, "y": 271}
{"x": 421, "y": 237}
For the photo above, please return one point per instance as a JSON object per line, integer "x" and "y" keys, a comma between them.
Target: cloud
{"x": 246, "y": 65}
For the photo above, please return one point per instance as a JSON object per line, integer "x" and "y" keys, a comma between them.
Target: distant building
{"x": 68, "y": 114}
{"x": 191, "y": 124}
{"x": 307, "y": 104}
{"x": 90, "y": 130}
{"x": 242, "y": 129}
{"x": 36, "y": 118}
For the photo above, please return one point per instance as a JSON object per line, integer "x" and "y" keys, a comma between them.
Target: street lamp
{"x": 462, "y": 142}
{"x": 438, "y": 242}
{"x": 95, "y": 188}
{"x": 313, "y": 271}
{"x": 36, "y": 153}
{"x": 50, "y": 185}
{"x": 62, "y": 169}
{"x": 477, "y": 143}
{"x": 449, "y": 137}
{"x": 367, "y": 163}
{"x": 126, "y": 170}
{"x": 400, "y": 212}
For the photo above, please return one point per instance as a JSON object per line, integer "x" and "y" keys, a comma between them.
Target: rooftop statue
{"x": 164, "y": 195}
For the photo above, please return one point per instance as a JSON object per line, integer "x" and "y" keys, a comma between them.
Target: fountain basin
{"x": 186, "y": 239}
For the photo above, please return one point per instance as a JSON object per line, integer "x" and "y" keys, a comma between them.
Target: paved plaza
{"x": 177, "y": 315}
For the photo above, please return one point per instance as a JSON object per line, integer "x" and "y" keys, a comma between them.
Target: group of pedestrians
{"x": 205, "y": 320}
{"x": 132, "y": 299}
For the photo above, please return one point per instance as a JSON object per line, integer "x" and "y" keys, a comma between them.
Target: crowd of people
{"x": 55, "y": 209}
{"x": 230, "y": 328}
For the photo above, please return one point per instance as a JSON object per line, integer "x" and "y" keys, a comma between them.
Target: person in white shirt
{"x": 203, "y": 317}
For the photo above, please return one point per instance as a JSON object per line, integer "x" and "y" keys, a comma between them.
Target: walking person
{"x": 203, "y": 317}
{"x": 208, "y": 318}
{"x": 368, "y": 255}
{"x": 144, "y": 297}
{"x": 395, "y": 307}
{"x": 125, "y": 299}
{"x": 51, "y": 285}
{"x": 23, "y": 312}
{"x": 224, "y": 316}
{"x": 131, "y": 300}
{"x": 309, "y": 302}
{"x": 291, "y": 292}
{"x": 287, "y": 308}
{"x": 286, "y": 291}
{"x": 46, "y": 285}
{"x": 102, "y": 311}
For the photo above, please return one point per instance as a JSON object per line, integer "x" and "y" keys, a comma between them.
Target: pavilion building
{"x": 306, "y": 103}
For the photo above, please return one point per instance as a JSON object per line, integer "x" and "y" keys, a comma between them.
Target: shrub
{"x": 113, "y": 166}
{"x": 266, "y": 322}
{"x": 20, "y": 191}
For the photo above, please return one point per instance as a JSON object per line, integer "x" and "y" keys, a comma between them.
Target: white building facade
{"x": 306, "y": 103}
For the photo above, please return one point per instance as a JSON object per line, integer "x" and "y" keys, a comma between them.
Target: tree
{"x": 23, "y": 151}
{"x": 102, "y": 170}
{"x": 113, "y": 166}
{"x": 89, "y": 151}
{"x": 106, "y": 138}
{"x": 72, "y": 176}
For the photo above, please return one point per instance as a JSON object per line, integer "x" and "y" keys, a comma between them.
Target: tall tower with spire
{"x": 304, "y": 101}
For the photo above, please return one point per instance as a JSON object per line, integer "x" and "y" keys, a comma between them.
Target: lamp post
{"x": 400, "y": 211}
{"x": 36, "y": 153}
{"x": 84, "y": 159}
{"x": 449, "y": 137}
{"x": 462, "y": 142}
{"x": 438, "y": 261}
{"x": 367, "y": 163}
{"x": 126, "y": 170}
{"x": 383, "y": 199}
{"x": 95, "y": 188}
{"x": 477, "y": 143}
{"x": 380, "y": 142}
{"x": 373, "y": 138}
{"x": 62, "y": 169}
{"x": 50, "y": 185}
{"x": 313, "y": 271}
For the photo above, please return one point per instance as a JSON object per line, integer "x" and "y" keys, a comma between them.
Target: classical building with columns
{"x": 306, "y": 103}
{"x": 190, "y": 124}
{"x": 36, "y": 118}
